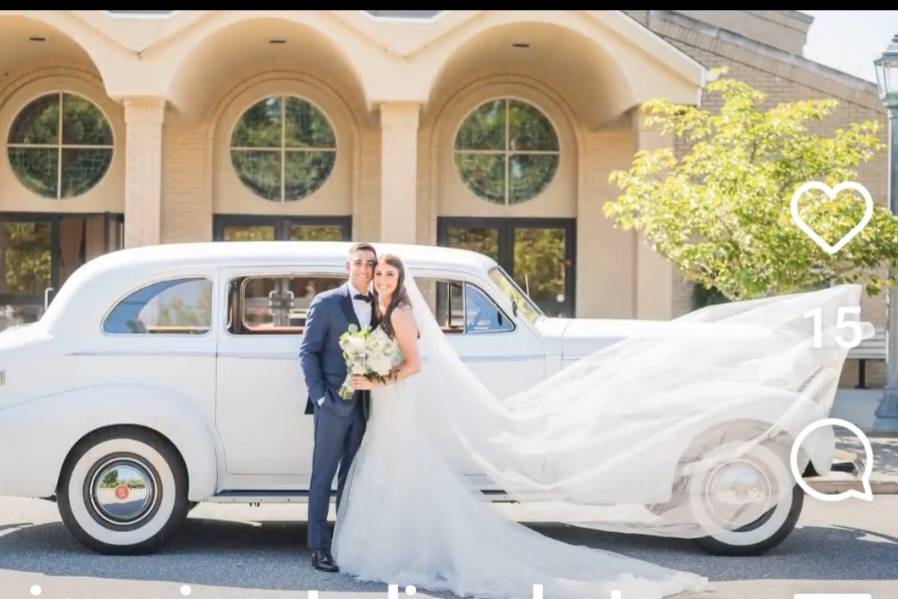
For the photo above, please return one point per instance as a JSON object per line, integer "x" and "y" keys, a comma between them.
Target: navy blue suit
{"x": 339, "y": 423}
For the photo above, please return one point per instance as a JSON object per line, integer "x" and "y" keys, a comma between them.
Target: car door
{"x": 261, "y": 392}
{"x": 505, "y": 355}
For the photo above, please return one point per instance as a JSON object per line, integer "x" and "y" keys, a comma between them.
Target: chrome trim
{"x": 129, "y": 507}
{"x": 502, "y": 358}
{"x": 166, "y": 353}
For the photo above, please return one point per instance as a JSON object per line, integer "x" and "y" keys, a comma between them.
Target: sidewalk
{"x": 858, "y": 406}
{"x": 884, "y": 476}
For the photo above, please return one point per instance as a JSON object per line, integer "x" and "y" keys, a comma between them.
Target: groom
{"x": 339, "y": 423}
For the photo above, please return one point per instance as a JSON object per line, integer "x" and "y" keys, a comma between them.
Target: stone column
{"x": 143, "y": 170}
{"x": 399, "y": 167}
{"x": 654, "y": 274}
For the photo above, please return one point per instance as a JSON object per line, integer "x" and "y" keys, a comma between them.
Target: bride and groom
{"x": 405, "y": 513}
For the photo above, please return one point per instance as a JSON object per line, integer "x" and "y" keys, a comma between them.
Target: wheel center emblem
{"x": 122, "y": 492}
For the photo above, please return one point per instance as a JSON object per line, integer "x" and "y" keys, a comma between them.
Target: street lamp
{"x": 887, "y": 79}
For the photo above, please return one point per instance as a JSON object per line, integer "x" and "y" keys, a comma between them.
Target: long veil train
{"x": 631, "y": 437}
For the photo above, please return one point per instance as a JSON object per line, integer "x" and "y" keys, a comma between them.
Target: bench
{"x": 873, "y": 348}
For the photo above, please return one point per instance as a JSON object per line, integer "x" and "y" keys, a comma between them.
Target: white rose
{"x": 355, "y": 345}
{"x": 380, "y": 365}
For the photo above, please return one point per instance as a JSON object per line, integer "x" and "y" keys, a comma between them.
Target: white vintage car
{"x": 168, "y": 375}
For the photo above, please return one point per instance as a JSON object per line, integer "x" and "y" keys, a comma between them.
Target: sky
{"x": 850, "y": 40}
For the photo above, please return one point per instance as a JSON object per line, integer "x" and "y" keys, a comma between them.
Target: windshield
{"x": 525, "y": 305}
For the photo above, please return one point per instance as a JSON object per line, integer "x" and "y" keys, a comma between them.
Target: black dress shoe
{"x": 324, "y": 561}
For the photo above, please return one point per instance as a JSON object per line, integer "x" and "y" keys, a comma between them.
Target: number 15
{"x": 853, "y": 325}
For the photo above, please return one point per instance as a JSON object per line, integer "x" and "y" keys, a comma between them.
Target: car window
{"x": 177, "y": 306}
{"x": 275, "y": 304}
{"x": 461, "y": 307}
{"x": 482, "y": 315}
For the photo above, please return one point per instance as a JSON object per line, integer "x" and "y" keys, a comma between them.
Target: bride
{"x": 410, "y": 517}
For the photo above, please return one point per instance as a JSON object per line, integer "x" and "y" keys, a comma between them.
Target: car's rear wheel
{"x": 123, "y": 491}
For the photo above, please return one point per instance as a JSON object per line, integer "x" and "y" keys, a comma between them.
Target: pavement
{"x": 236, "y": 551}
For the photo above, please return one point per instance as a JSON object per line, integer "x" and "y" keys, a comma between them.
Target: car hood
{"x": 574, "y": 338}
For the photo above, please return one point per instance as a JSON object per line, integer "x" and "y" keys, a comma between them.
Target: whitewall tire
{"x": 123, "y": 491}
{"x": 758, "y": 485}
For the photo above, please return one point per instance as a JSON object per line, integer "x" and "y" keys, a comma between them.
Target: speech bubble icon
{"x": 831, "y": 193}
{"x": 867, "y": 494}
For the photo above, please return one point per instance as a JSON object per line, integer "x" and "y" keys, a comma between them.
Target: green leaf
{"x": 719, "y": 207}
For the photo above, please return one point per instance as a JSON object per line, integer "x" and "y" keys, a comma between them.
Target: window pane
{"x": 525, "y": 305}
{"x": 259, "y": 126}
{"x": 83, "y": 123}
{"x": 280, "y": 304}
{"x": 484, "y": 240}
{"x": 37, "y": 123}
{"x": 484, "y": 174}
{"x": 248, "y": 233}
{"x": 260, "y": 171}
{"x": 36, "y": 169}
{"x": 529, "y": 174}
{"x": 82, "y": 169}
{"x": 26, "y": 251}
{"x": 316, "y": 233}
{"x": 306, "y": 172}
{"x": 444, "y": 298}
{"x": 481, "y": 314}
{"x": 484, "y": 129}
{"x": 306, "y": 126}
{"x": 179, "y": 306}
{"x": 529, "y": 129}
{"x": 539, "y": 266}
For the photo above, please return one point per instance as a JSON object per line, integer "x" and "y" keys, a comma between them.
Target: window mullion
{"x": 283, "y": 148}
{"x": 59, "y": 151}
{"x": 507, "y": 142}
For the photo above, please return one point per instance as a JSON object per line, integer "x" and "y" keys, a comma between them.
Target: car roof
{"x": 101, "y": 281}
{"x": 246, "y": 253}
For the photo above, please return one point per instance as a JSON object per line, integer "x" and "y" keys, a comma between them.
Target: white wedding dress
{"x": 410, "y": 516}
{"x": 408, "y": 519}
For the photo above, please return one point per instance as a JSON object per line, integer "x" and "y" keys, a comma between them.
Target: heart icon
{"x": 831, "y": 193}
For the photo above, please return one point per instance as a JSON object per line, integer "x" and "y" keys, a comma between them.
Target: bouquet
{"x": 367, "y": 353}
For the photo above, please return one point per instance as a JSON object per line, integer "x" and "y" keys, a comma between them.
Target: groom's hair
{"x": 362, "y": 247}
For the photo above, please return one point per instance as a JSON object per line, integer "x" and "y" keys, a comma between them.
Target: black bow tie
{"x": 364, "y": 297}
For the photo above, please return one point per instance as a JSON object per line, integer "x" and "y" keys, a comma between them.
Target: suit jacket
{"x": 321, "y": 357}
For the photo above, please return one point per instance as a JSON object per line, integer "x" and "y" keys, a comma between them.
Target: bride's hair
{"x": 400, "y": 296}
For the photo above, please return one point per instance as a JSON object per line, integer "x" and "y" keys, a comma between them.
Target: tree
{"x": 721, "y": 212}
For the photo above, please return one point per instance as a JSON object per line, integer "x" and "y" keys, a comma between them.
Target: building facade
{"x": 492, "y": 130}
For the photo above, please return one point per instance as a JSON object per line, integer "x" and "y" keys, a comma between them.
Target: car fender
{"x": 37, "y": 435}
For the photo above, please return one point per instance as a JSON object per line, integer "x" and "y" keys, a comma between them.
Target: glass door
{"x": 537, "y": 252}
{"x": 229, "y": 227}
{"x": 39, "y": 252}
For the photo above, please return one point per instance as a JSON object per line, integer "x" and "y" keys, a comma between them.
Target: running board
{"x": 259, "y": 497}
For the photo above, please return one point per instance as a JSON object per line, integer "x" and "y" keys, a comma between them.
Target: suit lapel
{"x": 346, "y": 305}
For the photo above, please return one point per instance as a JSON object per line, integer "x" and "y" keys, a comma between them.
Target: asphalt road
{"x": 239, "y": 551}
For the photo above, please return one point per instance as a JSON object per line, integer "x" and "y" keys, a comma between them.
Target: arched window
{"x": 60, "y": 145}
{"x": 283, "y": 148}
{"x": 506, "y": 151}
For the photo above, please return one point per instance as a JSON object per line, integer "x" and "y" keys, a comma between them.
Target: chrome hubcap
{"x": 739, "y": 492}
{"x": 123, "y": 491}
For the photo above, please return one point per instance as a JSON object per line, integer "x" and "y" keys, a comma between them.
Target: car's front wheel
{"x": 123, "y": 491}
